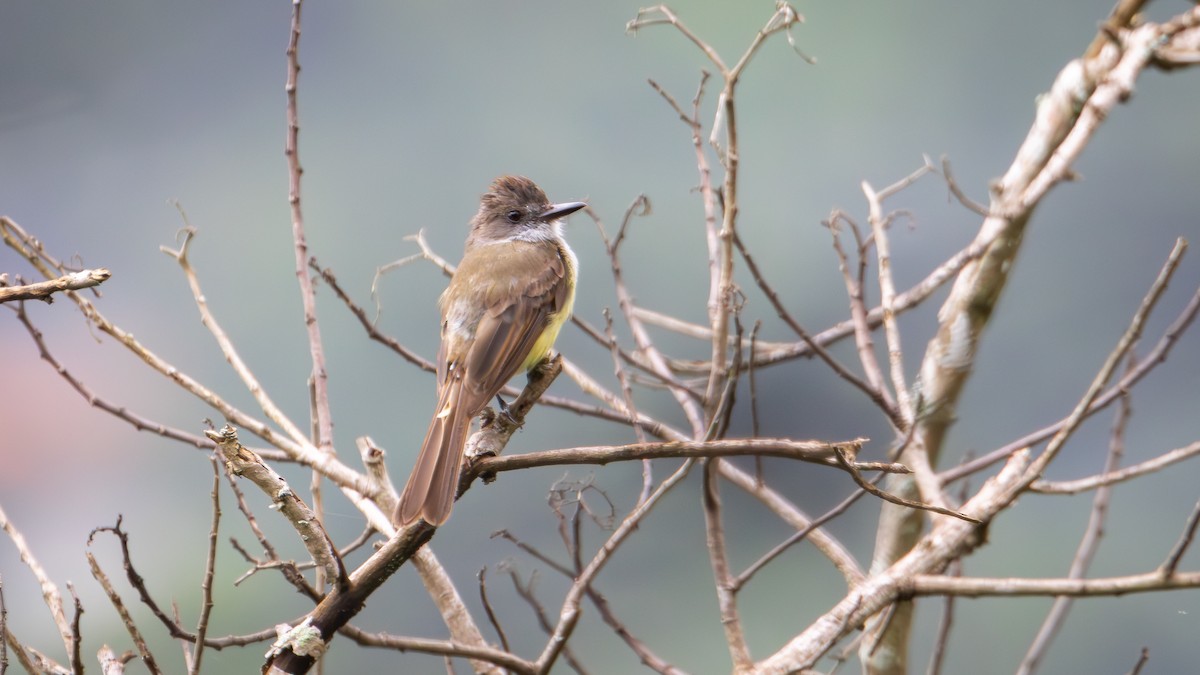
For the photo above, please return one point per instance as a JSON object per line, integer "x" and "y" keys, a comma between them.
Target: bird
{"x": 500, "y": 314}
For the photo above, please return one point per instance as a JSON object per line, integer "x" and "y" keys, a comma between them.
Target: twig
{"x": 240, "y": 499}
{"x": 647, "y": 657}
{"x": 1170, "y": 565}
{"x": 957, "y": 191}
{"x": 981, "y": 587}
{"x": 526, "y": 592}
{"x": 570, "y": 612}
{"x": 707, "y": 195}
{"x": 351, "y": 483}
{"x": 121, "y": 412}
{"x": 308, "y": 294}
{"x": 828, "y": 545}
{"x": 942, "y": 643}
{"x": 775, "y": 353}
{"x": 799, "y": 535}
{"x": 854, "y": 290}
{"x": 1124, "y": 344}
{"x": 731, "y": 622}
{"x": 268, "y": 406}
{"x": 627, "y": 394}
{"x": 818, "y": 452}
{"x": 210, "y": 563}
{"x": 44, "y": 290}
{"x": 894, "y": 499}
{"x": 484, "y": 653}
{"x": 1141, "y": 662}
{"x": 1111, "y": 478}
{"x": 3, "y": 630}
{"x": 615, "y": 412}
{"x": 126, "y": 619}
{"x": 76, "y": 658}
{"x": 951, "y": 538}
{"x": 887, "y": 297}
{"x": 1155, "y": 357}
{"x": 243, "y": 462}
{"x": 367, "y": 323}
{"x": 1087, "y": 548}
{"x": 877, "y": 396}
{"x": 298, "y": 645}
{"x": 50, "y": 593}
{"x": 657, "y": 362}
{"x": 487, "y": 608}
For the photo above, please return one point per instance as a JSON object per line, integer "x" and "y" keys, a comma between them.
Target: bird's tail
{"x": 429, "y": 494}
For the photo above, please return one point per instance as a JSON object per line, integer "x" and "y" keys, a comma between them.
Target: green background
{"x": 108, "y": 110}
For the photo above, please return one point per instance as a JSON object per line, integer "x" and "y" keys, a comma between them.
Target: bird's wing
{"x": 508, "y": 330}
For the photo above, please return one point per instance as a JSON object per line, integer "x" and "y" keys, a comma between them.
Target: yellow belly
{"x": 545, "y": 342}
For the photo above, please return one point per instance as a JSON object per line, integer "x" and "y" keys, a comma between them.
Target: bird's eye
{"x": 513, "y": 216}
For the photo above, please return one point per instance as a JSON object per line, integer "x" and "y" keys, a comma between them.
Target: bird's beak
{"x": 560, "y": 210}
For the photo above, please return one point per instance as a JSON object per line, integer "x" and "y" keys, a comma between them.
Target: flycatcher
{"x": 512, "y": 293}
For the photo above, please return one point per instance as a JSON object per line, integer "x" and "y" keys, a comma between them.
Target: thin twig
{"x": 1122, "y": 475}
{"x": 527, "y": 593}
{"x": 121, "y": 412}
{"x": 875, "y": 395}
{"x": 480, "y": 653}
{"x": 368, "y": 323}
{"x": 272, "y": 411}
{"x": 982, "y": 587}
{"x": 570, "y": 612}
{"x": 75, "y": 656}
{"x": 50, "y": 593}
{"x": 243, "y": 462}
{"x": 308, "y": 294}
{"x": 210, "y": 564}
{"x": 45, "y": 290}
{"x": 855, "y": 283}
{"x": 817, "y": 452}
{"x": 888, "y": 497}
{"x": 126, "y": 619}
{"x": 487, "y": 608}
{"x": 718, "y": 555}
{"x": 1141, "y": 662}
{"x": 1088, "y": 545}
{"x": 1124, "y": 344}
{"x": 824, "y": 542}
{"x": 1171, "y": 564}
{"x": 1155, "y": 357}
{"x": 796, "y": 537}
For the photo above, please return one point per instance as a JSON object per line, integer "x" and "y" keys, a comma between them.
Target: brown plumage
{"x": 502, "y": 311}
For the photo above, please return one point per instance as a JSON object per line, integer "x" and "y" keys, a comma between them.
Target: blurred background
{"x": 112, "y": 110}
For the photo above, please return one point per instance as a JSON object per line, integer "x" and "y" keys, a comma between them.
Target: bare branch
{"x": 50, "y": 593}
{"x": 570, "y": 612}
{"x": 1117, "y": 476}
{"x": 1124, "y": 344}
{"x": 308, "y": 294}
{"x": 731, "y": 621}
{"x": 844, "y": 459}
{"x": 44, "y": 290}
{"x": 824, "y": 542}
{"x": 1086, "y": 550}
{"x": 818, "y": 452}
{"x": 491, "y": 613}
{"x": 1157, "y": 356}
{"x": 243, "y": 462}
{"x": 1168, "y": 568}
{"x": 268, "y": 406}
{"x": 980, "y": 587}
{"x": 484, "y": 653}
{"x": 210, "y": 563}
{"x": 140, "y": 423}
{"x": 126, "y": 618}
